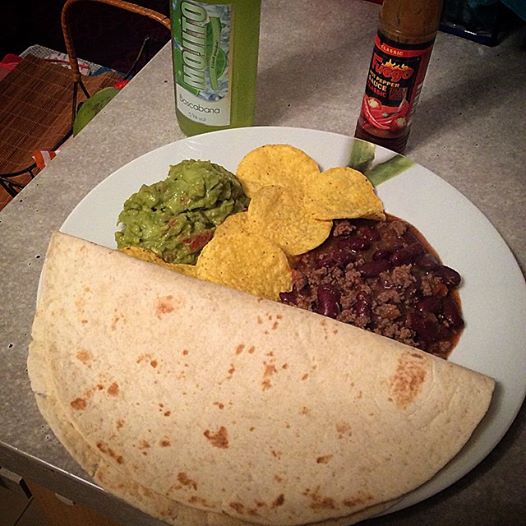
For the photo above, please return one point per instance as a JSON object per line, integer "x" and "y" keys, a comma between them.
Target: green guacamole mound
{"x": 176, "y": 217}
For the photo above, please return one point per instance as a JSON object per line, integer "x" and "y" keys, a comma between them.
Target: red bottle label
{"x": 394, "y": 82}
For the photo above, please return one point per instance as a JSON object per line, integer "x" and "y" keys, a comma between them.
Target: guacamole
{"x": 176, "y": 217}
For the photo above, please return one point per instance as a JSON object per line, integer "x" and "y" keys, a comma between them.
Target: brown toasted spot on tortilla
{"x": 357, "y": 500}
{"x": 279, "y": 316}
{"x": 305, "y": 376}
{"x": 83, "y": 322}
{"x": 304, "y": 410}
{"x": 276, "y": 454}
{"x": 406, "y": 383}
{"x": 359, "y": 395}
{"x": 280, "y": 499}
{"x": 103, "y": 447}
{"x": 266, "y": 384}
{"x": 167, "y": 413}
{"x": 165, "y": 443}
{"x": 266, "y": 332}
{"x": 251, "y": 349}
{"x": 260, "y": 321}
{"x": 275, "y": 325}
{"x": 113, "y": 389}
{"x": 79, "y": 404}
{"x": 219, "y": 439}
{"x": 116, "y": 318}
{"x": 144, "y": 453}
{"x": 87, "y": 289}
{"x": 252, "y": 428}
{"x": 323, "y": 322}
{"x": 417, "y": 355}
{"x": 239, "y": 348}
{"x": 144, "y": 444}
{"x": 324, "y": 459}
{"x": 270, "y": 369}
{"x": 164, "y": 305}
{"x": 185, "y": 352}
{"x": 100, "y": 387}
{"x": 84, "y": 356}
{"x": 220, "y": 405}
{"x": 322, "y": 503}
{"x": 285, "y": 366}
{"x": 277, "y": 478}
{"x": 259, "y": 503}
{"x": 231, "y": 371}
{"x": 120, "y": 423}
{"x": 143, "y": 358}
{"x": 342, "y": 429}
{"x": 335, "y": 331}
{"x": 153, "y": 363}
{"x": 238, "y": 507}
{"x": 185, "y": 480}
{"x": 194, "y": 499}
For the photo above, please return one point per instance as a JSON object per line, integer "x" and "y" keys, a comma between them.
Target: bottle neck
{"x": 410, "y": 21}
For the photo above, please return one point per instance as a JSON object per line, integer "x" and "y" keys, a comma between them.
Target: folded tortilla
{"x": 200, "y": 404}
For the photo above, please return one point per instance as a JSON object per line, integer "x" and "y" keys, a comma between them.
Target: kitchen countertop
{"x": 469, "y": 129}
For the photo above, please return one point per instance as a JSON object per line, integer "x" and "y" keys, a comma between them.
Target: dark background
{"x": 102, "y": 34}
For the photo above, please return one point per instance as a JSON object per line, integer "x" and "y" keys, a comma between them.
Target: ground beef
{"x": 384, "y": 277}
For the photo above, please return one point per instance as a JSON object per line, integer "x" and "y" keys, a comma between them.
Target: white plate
{"x": 493, "y": 292}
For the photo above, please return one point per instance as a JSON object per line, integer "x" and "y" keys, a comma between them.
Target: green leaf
{"x": 388, "y": 169}
{"x": 362, "y": 155}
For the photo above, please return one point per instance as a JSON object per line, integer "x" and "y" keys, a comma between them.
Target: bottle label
{"x": 394, "y": 82}
{"x": 202, "y": 35}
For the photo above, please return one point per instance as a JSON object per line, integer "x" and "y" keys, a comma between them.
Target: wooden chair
{"x": 39, "y": 101}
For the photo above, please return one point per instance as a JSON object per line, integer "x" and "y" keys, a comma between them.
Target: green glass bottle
{"x": 215, "y": 53}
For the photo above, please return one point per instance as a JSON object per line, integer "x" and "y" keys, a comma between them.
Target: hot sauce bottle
{"x": 402, "y": 49}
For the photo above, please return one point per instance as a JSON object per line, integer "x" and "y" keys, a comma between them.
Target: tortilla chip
{"x": 278, "y": 214}
{"x": 340, "y": 193}
{"x": 150, "y": 257}
{"x": 245, "y": 261}
{"x": 276, "y": 164}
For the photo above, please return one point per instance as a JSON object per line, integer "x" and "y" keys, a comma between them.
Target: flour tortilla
{"x": 203, "y": 405}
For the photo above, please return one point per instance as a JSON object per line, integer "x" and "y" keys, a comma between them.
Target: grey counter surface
{"x": 469, "y": 129}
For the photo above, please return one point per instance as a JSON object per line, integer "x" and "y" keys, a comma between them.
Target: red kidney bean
{"x": 362, "y": 308}
{"x": 369, "y": 233}
{"x": 430, "y": 304}
{"x": 452, "y": 314}
{"x": 427, "y": 262}
{"x": 343, "y": 257}
{"x": 448, "y": 276}
{"x": 353, "y": 243}
{"x": 290, "y": 298}
{"x": 328, "y": 298}
{"x": 374, "y": 268}
{"x": 406, "y": 254}
{"x": 336, "y": 258}
{"x": 425, "y": 327}
{"x": 381, "y": 254}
